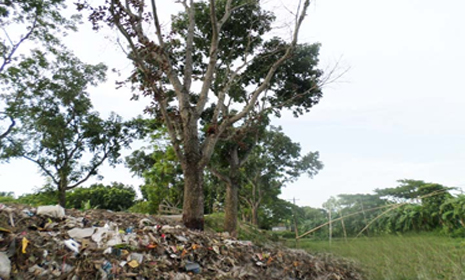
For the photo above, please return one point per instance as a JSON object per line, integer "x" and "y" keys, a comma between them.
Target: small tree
{"x": 56, "y": 126}
{"x": 274, "y": 162}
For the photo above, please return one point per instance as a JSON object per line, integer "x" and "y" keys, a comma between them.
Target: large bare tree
{"x": 207, "y": 63}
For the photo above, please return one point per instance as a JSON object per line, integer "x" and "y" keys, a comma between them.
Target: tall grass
{"x": 399, "y": 257}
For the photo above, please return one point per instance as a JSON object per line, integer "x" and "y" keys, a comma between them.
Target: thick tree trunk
{"x": 62, "y": 196}
{"x": 193, "y": 206}
{"x": 231, "y": 208}
{"x": 62, "y": 185}
{"x": 192, "y": 215}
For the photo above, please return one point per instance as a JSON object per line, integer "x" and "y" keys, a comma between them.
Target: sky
{"x": 397, "y": 112}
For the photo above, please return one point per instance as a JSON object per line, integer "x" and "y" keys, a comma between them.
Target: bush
{"x": 7, "y": 197}
{"x": 116, "y": 197}
{"x": 142, "y": 207}
{"x": 46, "y": 195}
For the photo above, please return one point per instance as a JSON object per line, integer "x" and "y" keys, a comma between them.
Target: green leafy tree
{"x": 158, "y": 165}
{"x": 274, "y": 162}
{"x": 45, "y": 195}
{"x": 361, "y": 209}
{"x": 453, "y": 215}
{"x": 424, "y": 202}
{"x": 278, "y": 212}
{"x": 221, "y": 47}
{"x": 56, "y": 126}
{"x": 116, "y": 197}
{"x": 7, "y": 197}
{"x": 227, "y": 165}
{"x": 24, "y": 24}
{"x": 293, "y": 78}
{"x": 161, "y": 170}
{"x": 312, "y": 218}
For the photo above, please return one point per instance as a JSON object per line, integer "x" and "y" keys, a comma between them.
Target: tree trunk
{"x": 192, "y": 214}
{"x": 255, "y": 215}
{"x": 193, "y": 206}
{"x": 232, "y": 192}
{"x": 231, "y": 208}
{"x": 62, "y": 196}
{"x": 62, "y": 184}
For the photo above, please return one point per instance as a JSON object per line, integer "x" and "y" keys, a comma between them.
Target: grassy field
{"x": 399, "y": 257}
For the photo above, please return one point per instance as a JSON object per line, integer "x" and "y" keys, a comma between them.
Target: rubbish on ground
{"x": 55, "y": 211}
{"x": 80, "y": 233}
{"x": 192, "y": 266}
{"x": 54, "y": 243}
{"x": 72, "y": 245}
{"x": 24, "y": 242}
{"x": 133, "y": 263}
{"x": 5, "y": 266}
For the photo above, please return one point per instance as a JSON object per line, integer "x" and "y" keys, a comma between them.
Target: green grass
{"x": 399, "y": 257}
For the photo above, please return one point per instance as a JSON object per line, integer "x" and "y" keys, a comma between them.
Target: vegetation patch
{"x": 412, "y": 256}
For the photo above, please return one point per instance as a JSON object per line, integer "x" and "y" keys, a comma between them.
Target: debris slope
{"x": 53, "y": 243}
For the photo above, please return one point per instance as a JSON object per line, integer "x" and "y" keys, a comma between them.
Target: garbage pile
{"x": 50, "y": 242}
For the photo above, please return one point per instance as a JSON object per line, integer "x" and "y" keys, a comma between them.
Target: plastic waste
{"x": 24, "y": 243}
{"x": 80, "y": 233}
{"x": 72, "y": 245}
{"x": 99, "y": 234}
{"x": 106, "y": 266}
{"x": 137, "y": 257}
{"x": 192, "y": 267}
{"x": 133, "y": 264}
{"x": 181, "y": 238}
{"x": 28, "y": 212}
{"x": 55, "y": 211}
{"x": 5, "y": 266}
{"x": 36, "y": 270}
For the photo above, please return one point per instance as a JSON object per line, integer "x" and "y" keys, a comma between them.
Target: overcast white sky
{"x": 396, "y": 114}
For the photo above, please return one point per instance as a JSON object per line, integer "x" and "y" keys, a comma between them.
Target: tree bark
{"x": 62, "y": 196}
{"x": 62, "y": 187}
{"x": 193, "y": 207}
{"x": 255, "y": 215}
{"x": 231, "y": 208}
{"x": 232, "y": 193}
{"x": 192, "y": 215}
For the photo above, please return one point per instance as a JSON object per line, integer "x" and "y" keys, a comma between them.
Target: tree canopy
{"x": 26, "y": 24}
{"x": 220, "y": 47}
{"x": 55, "y": 124}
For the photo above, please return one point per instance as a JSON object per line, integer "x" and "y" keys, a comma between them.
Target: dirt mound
{"x": 53, "y": 243}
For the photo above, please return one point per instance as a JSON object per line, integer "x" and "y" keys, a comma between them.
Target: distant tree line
{"x": 412, "y": 206}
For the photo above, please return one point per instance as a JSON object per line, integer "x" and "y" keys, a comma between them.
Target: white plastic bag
{"x": 5, "y": 266}
{"x": 80, "y": 233}
{"x": 55, "y": 211}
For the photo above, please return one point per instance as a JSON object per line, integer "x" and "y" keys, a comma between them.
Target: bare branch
{"x": 189, "y": 65}
{"x": 7, "y": 59}
{"x": 219, "y": 175}
{"x": 10, "y": 127}
{"x": 157, "y": 25}
{"x": 91, "y": 171}
{"x": 208, "y": 78}
{"x": 172, "y": 131}
{"x": 42, "y": 167}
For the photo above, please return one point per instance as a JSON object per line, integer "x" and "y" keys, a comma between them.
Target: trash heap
{"x": 50, "y": 242}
